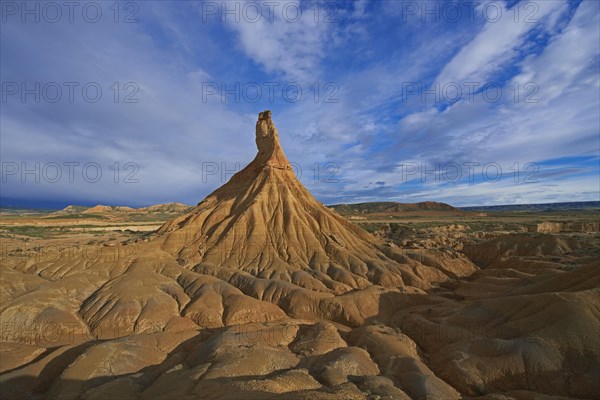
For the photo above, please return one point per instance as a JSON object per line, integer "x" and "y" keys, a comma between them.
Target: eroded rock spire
{"x": 267, "y": 141}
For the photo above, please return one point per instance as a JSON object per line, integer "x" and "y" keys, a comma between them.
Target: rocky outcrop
{"x": 265, "y": 222}
{"x": 556, "y": 227}
{"x": 261, "y": 292}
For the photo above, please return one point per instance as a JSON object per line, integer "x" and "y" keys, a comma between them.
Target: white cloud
{"x": 561, "y": 69}
{"x": 171, "y": 132}
{"x": 497, "y": 42}
{"x": 283, "y": 41}
{"x": 563, "y": 123}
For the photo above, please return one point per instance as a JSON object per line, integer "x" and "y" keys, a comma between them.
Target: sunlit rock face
{"x": 265, "y": 222}
{"x": 261, "y": 292}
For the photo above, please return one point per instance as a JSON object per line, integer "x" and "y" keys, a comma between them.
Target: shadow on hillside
{"x": 15, "y": 385}
{"x": 463, "y": 326}
{"x": 574, "y": 378}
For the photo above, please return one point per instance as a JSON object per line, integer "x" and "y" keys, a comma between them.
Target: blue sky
{"x": 470, "y": 103}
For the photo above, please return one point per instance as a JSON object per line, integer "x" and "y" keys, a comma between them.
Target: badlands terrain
{"x": 262, "y": 292}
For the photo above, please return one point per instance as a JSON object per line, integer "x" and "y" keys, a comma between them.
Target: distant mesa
{"x": 167, "y": 208}
{"x": 104, "y": 209}
{"x": 73, "y": 209}
{"x": 388, "y": 206}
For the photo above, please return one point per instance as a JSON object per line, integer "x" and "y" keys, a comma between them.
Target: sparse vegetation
{"x": 29, "y": 230}
{"x": 78, "y": 216}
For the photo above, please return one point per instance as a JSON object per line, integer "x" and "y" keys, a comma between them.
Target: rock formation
{"x": 265, "y": 222}
{"x": 261, "y": 292}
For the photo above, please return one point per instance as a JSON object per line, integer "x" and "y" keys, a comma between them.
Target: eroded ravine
{"x": 262, "y": 292}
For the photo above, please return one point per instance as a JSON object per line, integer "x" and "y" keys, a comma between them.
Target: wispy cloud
{"x": 368, "y": 132}
{"x": 287, "y": 39}
{"x": 501, "y": 39}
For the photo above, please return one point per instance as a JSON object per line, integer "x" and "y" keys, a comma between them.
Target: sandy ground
{"x": 522, "y": 312}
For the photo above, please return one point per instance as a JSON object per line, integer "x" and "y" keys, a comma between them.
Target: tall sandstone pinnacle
{"x": 265, "y": 222}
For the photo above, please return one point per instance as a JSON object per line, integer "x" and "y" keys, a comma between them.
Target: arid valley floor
{"x": 262, "y": 292}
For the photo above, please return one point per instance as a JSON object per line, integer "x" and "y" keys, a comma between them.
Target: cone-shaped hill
{"x": 265, "y": 222}
{"x": 261, "y": 292}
